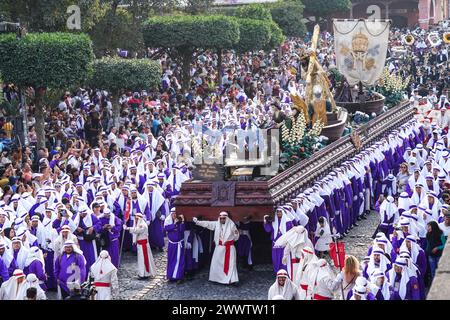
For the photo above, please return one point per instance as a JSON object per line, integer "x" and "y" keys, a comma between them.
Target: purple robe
{"x": 155, "y": 229}
{"x": 87, "y": 247}
{"x": 37, "y": 268}
{"x": 412, "y": 289}
{"x": 277, "y": 253}
{"x": 190, "y": 263}
{"x": 4, "y": 274}
{"x": 113, "y": 246}
{"x": 69, "y": 268}
{"x": 175, "y": 251}
{"x": 244, "y": 244}
{"x": 49, "y": 265}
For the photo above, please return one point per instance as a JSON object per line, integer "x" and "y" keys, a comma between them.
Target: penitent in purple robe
{"x": 37, "y": 268}
{"x": 192, "y": 261}
{"x": 155, "y": 229}
{"x": 175, "y": 251}
{"x": 69, "y": 268}
{"x": 113, "y": 235}
{"x": 88, "y": 247}
{"x": 49, "y": 265}
{"x": 4, "y": 274}
{"x": 277, "y": 253}
{"x": 412, "y": 289}
{"x": 244, "y": 243}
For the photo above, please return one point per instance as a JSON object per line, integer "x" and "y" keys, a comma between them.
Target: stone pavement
{"x": 253, "y": 285}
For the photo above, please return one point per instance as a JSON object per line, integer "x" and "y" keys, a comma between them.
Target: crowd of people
{"x": 403, "y": 178}
{"x": 68, "y": 210}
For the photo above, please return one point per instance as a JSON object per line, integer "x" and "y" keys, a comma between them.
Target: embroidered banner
{"x": 361, "y": 47}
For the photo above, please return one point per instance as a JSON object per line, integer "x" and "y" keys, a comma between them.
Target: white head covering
{"x": 406, "y": 274}
{"x": 287, "y": 291}
{"x": 377, "y": 273}
{"x": 103, "y": 265}
{"x": 298, "y": 235}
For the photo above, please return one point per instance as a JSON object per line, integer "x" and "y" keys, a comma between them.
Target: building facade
{"x": 410, "y": 13}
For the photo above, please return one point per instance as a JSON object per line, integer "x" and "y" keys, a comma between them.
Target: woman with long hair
{"x": 349, "y": 274}
{"x": 435, "y": 246}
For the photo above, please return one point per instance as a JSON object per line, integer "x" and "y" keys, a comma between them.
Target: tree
{"x": 254, "y": 35}
{"x": 261, "y": 13}
{"x": 45, "y": 60}
{"x": 182, "y": 36}
{"x": 122, "y": 33}
{"x": 288, "y": 15}
{"x": 323, "y": 8}
{"x": 51, "y": 15}
{"x": 276, "y": 36}
{"x": 196, "y": 6}
{"x": 116, "y": 74}
{"x": 254, "y": 11}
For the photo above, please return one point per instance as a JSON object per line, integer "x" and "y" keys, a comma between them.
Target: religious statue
{"x": 319, "y": 106}
{"x": 299, "y": 105}
{"x": 318, "y": 97}
{"x": 344, "y": 93}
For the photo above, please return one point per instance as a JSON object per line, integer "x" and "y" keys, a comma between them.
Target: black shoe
{"x": 364, "y": 217}
{"x": 355, "y": 224}
{"x": 180, "y": 281}
{"x": 351, "y": 227}
{"x": 359, "y": 218}
{"x": 235, "y": 284}
{"x": 143, "y": 278}
{"x": 161, "y": 249}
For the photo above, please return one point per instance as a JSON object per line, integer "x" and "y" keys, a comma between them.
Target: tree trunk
{"x": 219, "y": 67}
{"x": 110, "y": 35}
{"x": 40, "y": 118}
{"x": 186, "y": 68}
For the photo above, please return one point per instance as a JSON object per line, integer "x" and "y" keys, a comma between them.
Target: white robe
{"x": 222, "y": 234}
{"x": 140, "y": 237}
{"x": 105, "y": 274}
{"x": 10, "y": 290}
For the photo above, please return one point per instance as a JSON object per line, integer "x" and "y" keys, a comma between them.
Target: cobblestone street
{"x": 253, "y": 285}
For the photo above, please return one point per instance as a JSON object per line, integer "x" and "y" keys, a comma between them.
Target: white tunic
{"x": 140, "y": 237}
{"x": 224, "y": 237}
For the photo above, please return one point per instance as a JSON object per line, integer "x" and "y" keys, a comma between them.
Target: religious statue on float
{"x": 319, "y": 106}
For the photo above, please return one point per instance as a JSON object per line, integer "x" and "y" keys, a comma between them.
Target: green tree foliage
{"x": 181, "y": 36}
{"x": 262, "y": 14}
{"x": 116, "y": 74}
{"x": 116, "y": 30}
{"x": 276, "y": 36}
{"x": 51, "y": 15}
{"x": 254, "y": 11}
{"x": 45, "y": 60}
{"x": 323, "y": 8}
{"x": 288, "y": 15}
{"x": 254, "y": 35}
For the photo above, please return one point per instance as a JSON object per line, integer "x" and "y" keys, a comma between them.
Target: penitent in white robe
{"x": 223, "y": 234}
{"x": 146, "y": 263}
